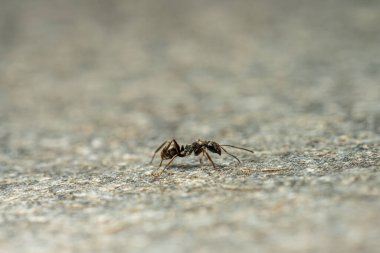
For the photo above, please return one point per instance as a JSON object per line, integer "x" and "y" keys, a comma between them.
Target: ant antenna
{"x": 230, "y": 154}
{"x": 237, "y": 148}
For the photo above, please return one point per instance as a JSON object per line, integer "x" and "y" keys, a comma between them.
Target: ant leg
{"x": 231, "y": 154}
{"x": 166, "y": 166}
{"x": 158, "y": 149}
{"x": 154, "y": 172}
{"x": 201, "y": 158}
{"x": 161, "y": 163}
{"x": 209, "y": 157}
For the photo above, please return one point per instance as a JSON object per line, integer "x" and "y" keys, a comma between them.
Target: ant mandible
{"x": 171, "y": 150}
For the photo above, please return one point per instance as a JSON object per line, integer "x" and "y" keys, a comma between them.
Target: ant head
{"x": 214, "y": 147}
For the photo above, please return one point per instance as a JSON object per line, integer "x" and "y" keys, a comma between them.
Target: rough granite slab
{"x": 89, "y": 89}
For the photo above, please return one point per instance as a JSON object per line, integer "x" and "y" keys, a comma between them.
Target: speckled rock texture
{"x": 89, "y": 89}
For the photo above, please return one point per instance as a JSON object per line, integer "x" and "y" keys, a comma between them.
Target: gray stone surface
{"x": 89, "y": 89}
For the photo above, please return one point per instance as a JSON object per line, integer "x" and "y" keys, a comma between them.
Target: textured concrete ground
{"x": 89, "y": 89}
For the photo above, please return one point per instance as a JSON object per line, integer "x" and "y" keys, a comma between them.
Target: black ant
{"x": 171, "y": 150}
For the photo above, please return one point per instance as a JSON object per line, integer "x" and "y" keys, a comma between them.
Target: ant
{"x": 171, "y": 150}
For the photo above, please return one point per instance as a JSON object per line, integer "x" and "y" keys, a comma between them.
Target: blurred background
{"x": 159, "y": 68}
{"x": 90, "y": 82}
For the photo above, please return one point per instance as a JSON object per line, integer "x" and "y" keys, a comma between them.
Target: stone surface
{"x": 89, "y": 89}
